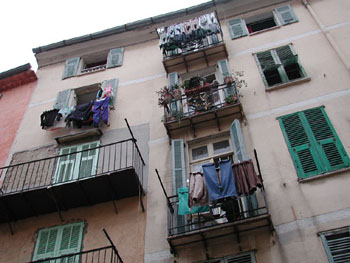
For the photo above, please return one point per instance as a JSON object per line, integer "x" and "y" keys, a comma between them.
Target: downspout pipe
{"x": 327, "y": 34}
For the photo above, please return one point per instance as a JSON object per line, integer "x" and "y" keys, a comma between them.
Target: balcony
{"x": 202, "y": 106}
{"x": 102, "y": 255}
{"x": 81, "y": 178}
{"x": 186, "y": 44}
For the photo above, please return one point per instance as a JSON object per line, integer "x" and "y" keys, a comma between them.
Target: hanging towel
{"x": 223, "y": 189}
{"x": 247, "y": 180}
{"x": 183, "y": 208}
{"x": 198, "y": 193}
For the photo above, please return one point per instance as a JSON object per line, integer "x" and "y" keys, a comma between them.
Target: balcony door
{"x": 77, "y": 162}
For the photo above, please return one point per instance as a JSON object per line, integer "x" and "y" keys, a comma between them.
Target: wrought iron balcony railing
{"x": 102, "y": 255}
{"x": 200, "y": 100}
{"x": 75, "y": 166}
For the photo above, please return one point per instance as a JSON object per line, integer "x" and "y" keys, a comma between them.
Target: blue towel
{"x": 227, "y": 186}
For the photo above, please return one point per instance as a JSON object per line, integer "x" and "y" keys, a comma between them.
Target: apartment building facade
{"x": 252, "y": 99}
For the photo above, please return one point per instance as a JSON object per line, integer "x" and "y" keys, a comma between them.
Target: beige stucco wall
{"x": 298, "y": 210}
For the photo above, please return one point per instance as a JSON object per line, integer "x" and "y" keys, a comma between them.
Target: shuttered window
{"x": 239, "y": 258}
{"x": 62, "y": 99}
{"x": 59, "y": 241}
{"x": 115, "y": 57}
{"x": 237, "y": 28}
{"x": 279, "y": 65}
{"x": 71, "y": 67}
{"x": 313, "y": 143}
{"x": 337, "y": 245}
{"x": 286, "y": 15}
{"x": 80, "y": 162}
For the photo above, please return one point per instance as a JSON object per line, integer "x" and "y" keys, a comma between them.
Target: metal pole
{"x": 134, "y": 140}
{"x": 167, "y": 198}
{"x": 114, "y": 248}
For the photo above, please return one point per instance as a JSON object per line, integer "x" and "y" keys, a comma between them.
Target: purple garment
{"x": 101, "y": 108}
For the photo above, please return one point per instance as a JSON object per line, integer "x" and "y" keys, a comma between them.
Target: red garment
{"x": 246, "y": 178}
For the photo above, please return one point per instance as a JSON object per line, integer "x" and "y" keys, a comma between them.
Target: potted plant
{"x": 177, "y": 92}
{"x": 164, "y": 96}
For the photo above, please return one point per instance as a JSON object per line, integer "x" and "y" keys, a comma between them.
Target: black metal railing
{"x": 202, "y": 99}
{"x": 77, "y": 165}
{"x": 228, "y": 211}
{"x": 102, "y": 255}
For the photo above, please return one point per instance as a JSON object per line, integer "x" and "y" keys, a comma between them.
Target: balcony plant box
{"x": 198, "y": 89}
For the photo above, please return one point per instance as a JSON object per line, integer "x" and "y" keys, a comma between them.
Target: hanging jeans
{"x": 101, "y": 106}
{"x": 227, "y": 186}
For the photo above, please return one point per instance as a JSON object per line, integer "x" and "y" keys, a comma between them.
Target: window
{"x": 279, "y": 65}
{"x": 280, "y": 16}
{"x": 248, "y": 257}
{"x": 94, "y": 62}
{"x": 79, "y": 162}
{"x": 313, "y": 143}
{"x": 58, "y": 241}
{"x": 337, "y": 244}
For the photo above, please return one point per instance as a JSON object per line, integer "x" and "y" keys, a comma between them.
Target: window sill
{"x": 92, "y": 71}
{"x": 287, "y": 84}
{"x": 264, "y": 30}
{"x": 316, "y": 177}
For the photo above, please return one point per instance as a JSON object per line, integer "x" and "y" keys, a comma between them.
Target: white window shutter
{"x": 238, "y": 142}
{"x": 115, "y": 57}
{"x": 286, "y": 14}
{"x": 111, "y": 84}
{"x": 224, "y": 68}
{"x": 237, "y": 28}
{"x": 179, "y": 170}
{"x": 71, "y": 67}
{"x": 62, "y": 99}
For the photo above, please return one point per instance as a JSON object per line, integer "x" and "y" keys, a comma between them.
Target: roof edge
{"x": 15, "y": 71}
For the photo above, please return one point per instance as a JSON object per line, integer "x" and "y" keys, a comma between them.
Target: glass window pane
{"x": 200, "y": 152}
{"x": 221, "y": 147}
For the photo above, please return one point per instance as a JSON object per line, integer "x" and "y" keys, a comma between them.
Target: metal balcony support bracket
{"x": 206, "y": 58}
{"x": 171, "y": 208}
{"x": 7, "y": 212}
{"x": 112, "y": 192}
{"x": 193, "y": 128}
{"x": 217, "y": 120}
{"x": 84, "y": 193}
{"x": 186, "y": 65}
{"x": 29, "y": 204}
{"x": 205, "y": 244}
{"x": 50, "y": 192}
{"x": 141, "y": 193}
{"x": 172, "y": 248}
{"x": 134, "y": 140}
{"x": 112, "y": 244}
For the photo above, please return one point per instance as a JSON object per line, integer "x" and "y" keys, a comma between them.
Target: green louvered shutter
{"x": 337, "y": 246}
{"x": 113, "y": 84}
{"x": 179, "y": 177}
{"x": 237, "y": 28}
{"x": 89, "y": 159}
{"x": 286, "y": 14}
{"x": 115, "y": 57}
{"x": 241, "y": 258}
{"x": 286, "y": 55}
{"x": 328, "y": 145}
{"x": 46, "y": 243}
{"x": 62, "y": 99}
{"x": 71, "y": 68}
{"x": 67, "y": 166}
{"x": 300, "y": 145}
{"x": 267, "y": 62}
{"x": 238, "y": 142}
{"x": 70, "y": 241}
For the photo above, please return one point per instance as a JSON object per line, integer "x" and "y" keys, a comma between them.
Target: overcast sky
{"x": 26, "y": 24}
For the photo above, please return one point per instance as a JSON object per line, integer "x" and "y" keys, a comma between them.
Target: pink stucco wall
{"x": 13, "y": 104}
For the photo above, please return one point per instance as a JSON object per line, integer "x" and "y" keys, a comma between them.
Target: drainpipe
{"x": 327, "y": 34}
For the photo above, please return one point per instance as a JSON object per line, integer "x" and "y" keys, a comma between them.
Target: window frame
{"x": 281, "y": 68}
{"x": 228, "y": 259}
{"x": 324, "y": 235}
{"x": 75, "y": 172}
{"x": 57, "y": 251}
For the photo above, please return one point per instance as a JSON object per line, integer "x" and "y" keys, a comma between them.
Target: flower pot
{"x": 177, "y": 94}
{"x": 228, "y": 80}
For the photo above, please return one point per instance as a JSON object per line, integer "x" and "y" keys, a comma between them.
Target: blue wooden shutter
{"x": 328, "y": 145}
{"x": 89, "y": 159}
{"x": 237, "y": 28}
{"x": 286, "y": 14}
{"x": 337, "y": 246}
{"x": 71, "y": 67}
{"x": 115, "y": 57}
{"x": 46, "y": 243}
{"x": 113, "y": 84}
{"x": 62, "y": 99}
{"x": 238, "y": 142}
